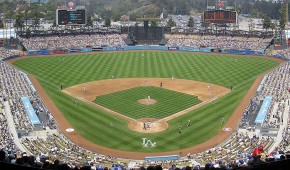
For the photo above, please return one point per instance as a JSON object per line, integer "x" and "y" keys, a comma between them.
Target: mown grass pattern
{"x": 94, "y": 124}
{"x": 126, "y": 102}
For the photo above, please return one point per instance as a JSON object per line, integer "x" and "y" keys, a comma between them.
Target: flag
{"x": 161, "y": 16}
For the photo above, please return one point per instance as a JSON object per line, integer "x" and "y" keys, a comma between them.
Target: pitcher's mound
{"x": 147, "y": 102}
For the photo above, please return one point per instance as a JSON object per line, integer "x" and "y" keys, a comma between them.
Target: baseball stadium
{"x": 144, "y": 96}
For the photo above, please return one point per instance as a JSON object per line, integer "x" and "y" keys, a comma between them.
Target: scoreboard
{"x": 220, "y": 16}
{"x": 71, "y": 17}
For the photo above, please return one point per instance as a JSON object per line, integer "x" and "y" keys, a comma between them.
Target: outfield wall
{"x": 129, "y": 48}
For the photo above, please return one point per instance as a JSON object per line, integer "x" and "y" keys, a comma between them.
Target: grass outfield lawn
{"x": 94, "y": 124}
{"x": 126, "y": 102}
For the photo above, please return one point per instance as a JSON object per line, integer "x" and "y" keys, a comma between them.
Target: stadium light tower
{"x": 286, "y": 15}
{"x": 4, "y": 18}
{"x": 286, "y": 22}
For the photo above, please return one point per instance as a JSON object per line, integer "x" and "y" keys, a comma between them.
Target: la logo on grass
{"x": 148, "y": 143}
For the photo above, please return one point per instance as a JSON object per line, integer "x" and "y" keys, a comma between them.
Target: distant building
{"x": 7, "y": 33}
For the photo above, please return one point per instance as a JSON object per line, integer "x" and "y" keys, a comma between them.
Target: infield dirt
{"x": 204, "y": 92}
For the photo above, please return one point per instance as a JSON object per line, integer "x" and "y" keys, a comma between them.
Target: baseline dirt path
{"x": 102, "y": 87}
{"x": 76, "y": 138}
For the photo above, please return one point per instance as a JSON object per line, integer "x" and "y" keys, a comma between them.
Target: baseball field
{"x": 102, "y": 92}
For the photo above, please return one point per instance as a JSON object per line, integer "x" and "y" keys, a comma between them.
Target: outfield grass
{"x": 126, "y": 102}
{"x": 94, "y": 124}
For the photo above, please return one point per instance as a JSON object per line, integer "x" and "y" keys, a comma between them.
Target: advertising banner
{"x": 173, "y": 48}
{"x": 74, "y": 50}
{"x": 263, "y": 110}
{"x": 30, "y": 111}
{"x": 84, "y": 50}
{"x": 43, "y": 52}
{"x": 97, "y": 48}
{"x": 59, "y": 51}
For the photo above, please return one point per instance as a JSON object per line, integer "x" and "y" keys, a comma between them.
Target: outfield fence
{"x": 128, "y": 48}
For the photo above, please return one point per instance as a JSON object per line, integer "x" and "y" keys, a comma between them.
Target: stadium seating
{"x": 224, "y": 42}
{"x": 72, "y": 41}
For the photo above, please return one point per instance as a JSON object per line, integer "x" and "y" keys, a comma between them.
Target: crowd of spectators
{"x": 56, "y": 146}
{"x": 4, "y": 53}
{"x": 284, "y": 53}
{"x": 276, "y": 85}
{"x": 14, "y": 85}
{"x": 222, "y": 42}
{"x": 235, "y": 152}
{"x": 285, "y": 143}
{"x": 72, "y": 41}
{"x": 6, "y": 139}
{"x": 275, "y": 116}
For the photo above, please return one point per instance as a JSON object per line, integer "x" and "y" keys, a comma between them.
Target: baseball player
{"x": 84, "y": 88}
{"x": 189, "y": 122}
{"x": 223, "y": 120}
{"x": 180, "y": 129}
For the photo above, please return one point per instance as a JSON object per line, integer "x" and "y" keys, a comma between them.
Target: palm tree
{"x": 36, "y": 20}
{"x": 19, "y": 22}
{"x": 25, "y": 15}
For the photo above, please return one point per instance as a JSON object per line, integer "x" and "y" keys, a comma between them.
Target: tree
{"x": 28, "y": 32}
{"x": 54, "y": 23}
{"x": 266, "y": 21}
{"x": 89, "y": 21}
{"x": 190, "y": 22}
{"x": 19, "y": 22}
{"x": 107, "y": 22}
{"x": 171, "y": 23}
{"x": 251, "y": 24}
{"x": 238, "y": 10}
{"x": 272, "y": 26}
{"x": 282, "y": 18}
{"x": 26, "y": 11}
{"x": 36, "y": 20}
{"x": 1, "y": 24}
{"x": 153, "y": 24}
{"x": 136, "y": 25}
